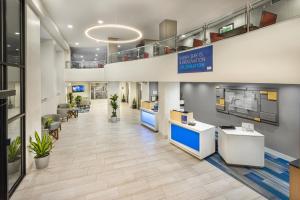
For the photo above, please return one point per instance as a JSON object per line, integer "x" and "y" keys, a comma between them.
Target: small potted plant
{"x": 134, "y": 105}
{"x": 41, "y": 147}
{"x": 123, "y": 99}
{"x": 14, "y": 158}
{"x": 78, "y": 100}
{"x": 48, "y": 122}
{"x": 115, "y": 106}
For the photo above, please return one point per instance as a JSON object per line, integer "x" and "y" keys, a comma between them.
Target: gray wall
{"x": 200, "y": 98}
{"x": 153, "y": 86}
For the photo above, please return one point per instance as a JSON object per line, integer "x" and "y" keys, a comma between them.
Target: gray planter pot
{"x": 14, "y": 167}
{"x": 41, "y": 163}
{"x": 114, "y": 119}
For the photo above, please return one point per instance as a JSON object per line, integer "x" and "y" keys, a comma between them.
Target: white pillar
{"x": 113, "y": 88}
{"x": 169, "y": 99}
{"x": 145, "y": 91}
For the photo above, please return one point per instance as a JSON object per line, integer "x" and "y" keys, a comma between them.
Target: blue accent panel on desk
{"x": 185, "y": 136}
{"x": 148, "y": 118}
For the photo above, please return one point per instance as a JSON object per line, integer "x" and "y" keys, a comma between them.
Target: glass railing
{"x": 253, "y": 16}
{"x": 85, "y": 64}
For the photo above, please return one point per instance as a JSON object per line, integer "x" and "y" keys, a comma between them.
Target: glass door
{"x": 12, "y": 101}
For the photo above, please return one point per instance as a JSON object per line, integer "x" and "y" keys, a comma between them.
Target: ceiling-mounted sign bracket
{"x": 7, "y": 93}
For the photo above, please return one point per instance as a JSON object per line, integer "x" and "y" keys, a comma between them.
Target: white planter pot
{"x": 114, "y": 119}
{"x": 41, "y": 163}
{"x": 14, "y": 167}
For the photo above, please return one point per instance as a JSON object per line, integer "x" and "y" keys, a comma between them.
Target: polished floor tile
{"x": 98, "y": 160}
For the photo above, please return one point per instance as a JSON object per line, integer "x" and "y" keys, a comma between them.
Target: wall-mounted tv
{"x": 78, "y": 88}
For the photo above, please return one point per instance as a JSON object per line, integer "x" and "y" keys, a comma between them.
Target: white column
{"x": 113, "y": 88}
{"x": 145, "y": 91}
{"x": 33, "y": 94}
{"x": 169, "y": 99}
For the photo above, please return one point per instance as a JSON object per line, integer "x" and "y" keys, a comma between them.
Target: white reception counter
{"x": 198, "y": 140}
{"x": 239, "y": 147}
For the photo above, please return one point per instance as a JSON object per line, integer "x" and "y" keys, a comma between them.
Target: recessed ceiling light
{"x": 17, "y": 33}
{"x": 70, "y": 26}
{"x": 76, "y": 43}
{"x": 8, "y": 45}
{"x": 95, "y": 58}
{"x": 97, "y": 49}
{"x": 183, "y": 36}
{"x": 96, "y": 55}
{"x": 115, "y": 26}
{"x": 81, "y": 56}
{"x": 119, "y": 46}
{"x": 100, "y": 22}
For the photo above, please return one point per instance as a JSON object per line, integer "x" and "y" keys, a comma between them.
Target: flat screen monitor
{"x": 78, "y": 88}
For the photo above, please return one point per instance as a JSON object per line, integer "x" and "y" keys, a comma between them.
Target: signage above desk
{"x": 197, "y": 60}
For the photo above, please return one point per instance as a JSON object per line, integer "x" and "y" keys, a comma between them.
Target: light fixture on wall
{"x": 115, "y": 26}
{"x": 100, "y": 22}
{"x": 119, "y": 46}
{"x": 76, "y": 43}
{"x": 70, "y": 26}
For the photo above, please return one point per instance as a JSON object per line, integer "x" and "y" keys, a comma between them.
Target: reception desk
{"x": 239, "y": 147}
{"x": 295, "y": 180}
{"x": 198, "y": 140}
{"x": 149, "y": 118}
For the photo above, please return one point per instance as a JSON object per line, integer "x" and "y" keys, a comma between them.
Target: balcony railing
{"x": 85, "y": 64}
{"x": 253, "y": 16}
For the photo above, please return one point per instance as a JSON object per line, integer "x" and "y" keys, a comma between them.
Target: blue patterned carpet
{"x": 272, "y": 181}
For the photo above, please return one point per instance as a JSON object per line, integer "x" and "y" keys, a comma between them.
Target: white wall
{"x": 267, "y": 55}
{"x": 132, "y": 92}
{"x": 33, "y": 79}
{"x": 52, "y": 72}
{"x": 95, "y": 75}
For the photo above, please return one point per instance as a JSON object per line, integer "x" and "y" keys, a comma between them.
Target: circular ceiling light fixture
{"x": 116, "y": 26}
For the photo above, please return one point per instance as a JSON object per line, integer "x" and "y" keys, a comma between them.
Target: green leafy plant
{"x": 123, "y": 98}
{"x": 134, "y": 104}
{"x": 41, "y": 147}
{"x": 14, "y": 150}
{"x": 78, "y": 100}
{"x": 70, "y": 97}
{"x": 48, "y": 122}
{"x": 114, "y": 104}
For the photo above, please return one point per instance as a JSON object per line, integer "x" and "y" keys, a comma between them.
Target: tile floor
{"x": 98, "y": 160}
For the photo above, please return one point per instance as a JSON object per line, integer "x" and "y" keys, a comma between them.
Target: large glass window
{"x": 12, "y": 108}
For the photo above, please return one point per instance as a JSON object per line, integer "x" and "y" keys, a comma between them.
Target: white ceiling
{"x": 144, "y": 15}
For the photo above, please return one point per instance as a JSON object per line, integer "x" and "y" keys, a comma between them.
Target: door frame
{"x": 4, "y": 121}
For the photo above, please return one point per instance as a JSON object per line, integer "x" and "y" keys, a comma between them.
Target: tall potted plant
{"x": 134, "y": 104}
{"x": 115, "y": 106}
{"x": 71, "y": 97}
{"x": 78, "y": 100}
{"x": 41, "y": 147}
{"x": 14, "y": 156}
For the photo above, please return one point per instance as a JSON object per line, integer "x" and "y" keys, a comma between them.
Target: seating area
{"x": 52, "y": 123}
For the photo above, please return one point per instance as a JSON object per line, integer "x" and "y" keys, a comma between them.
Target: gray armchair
{"x": 64, "y": 111}
{"x": 54, "y": 127}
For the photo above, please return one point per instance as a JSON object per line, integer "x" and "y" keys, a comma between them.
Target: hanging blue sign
{"x": 197, "y": 60}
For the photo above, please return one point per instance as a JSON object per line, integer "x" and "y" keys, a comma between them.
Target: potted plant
{"x": 78, "y": 100}
{"x": 134, "y": 105}
{"x": 123, "y": 99}
{"x": 41, "y": 147}
{"x": 71, "y": 97}
{"x": 115, "y": 106}
{"x": 14, "y": 158}
{"x": 48, "y": 122}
